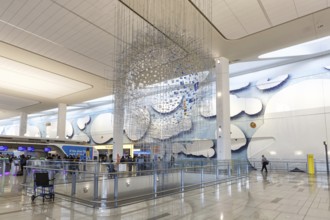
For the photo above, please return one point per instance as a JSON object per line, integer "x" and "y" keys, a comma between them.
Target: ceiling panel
{"x": 12, "y": 9}
{"x": 4, "y": 5}
{"x": 54, "y": 24}
{"x": 252, "y": 22}
{"x": 69, "y": 3}
{"x": 32, "y": 15}
{"x": 23, "y": 11}
{"x": 322, "y": 23}
{"x": 224, "y": 19}
{"x": 236, "y": 19}
{"x": 307, "y": 7}
{"x": 279, "y": 11}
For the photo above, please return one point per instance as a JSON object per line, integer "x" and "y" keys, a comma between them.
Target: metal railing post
{"x": 115, "y": 189}
{"x": 73, "y": 183}
{"x": 3, "y": 167}
{"x": 239, "y": 170}
{"x": 202, "y": 176}
{"x": 216, "y": 171}
{"x": 229, "y": 171}
{"x": 96, "y": 182}
{"x": 155, "y": 183}
{"x": 182, "y": 179}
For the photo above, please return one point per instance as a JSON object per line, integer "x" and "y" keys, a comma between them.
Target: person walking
{"x": 264, "y": 163}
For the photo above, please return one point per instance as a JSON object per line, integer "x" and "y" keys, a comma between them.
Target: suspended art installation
{"x": 159, "y": 67}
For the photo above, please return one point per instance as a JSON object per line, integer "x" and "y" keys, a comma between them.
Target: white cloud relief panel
{"x": 51, "y": 130}
{"x": 168, "y": 126}
{"x": 81, "y": 136}
{"x": 250, "y": 106}
{"x": 166, "y": 102}
{"x": 33, "y": 131}
{"x": 102, "y": 128}
{"x": 137, "y": 121}
{"x": 267, "y": 83}
{"x": 238, "y": 86}
{"x": 238, "y": 138}
{"x": 196, "y": 148}
{"x": 82, "y": 122}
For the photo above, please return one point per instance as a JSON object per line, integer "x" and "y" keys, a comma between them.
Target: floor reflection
{"x": 260, "y": 196}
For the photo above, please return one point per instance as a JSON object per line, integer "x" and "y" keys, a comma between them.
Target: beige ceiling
{"x": 75, "y": 39}
{"x": 240, "y": 18}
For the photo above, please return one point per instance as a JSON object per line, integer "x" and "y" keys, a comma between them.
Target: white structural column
{"x": 23, "y": 124}
{"x": 223, "y": 147}
{"x": 61, "y": 120}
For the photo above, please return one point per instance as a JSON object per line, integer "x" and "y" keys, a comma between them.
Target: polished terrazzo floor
{"x": 276, "y": 195}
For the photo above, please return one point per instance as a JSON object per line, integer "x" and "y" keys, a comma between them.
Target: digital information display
{"x": 3, "y": 148}
{"x": 21, "y": 148}
{"x": 30, "y": 149}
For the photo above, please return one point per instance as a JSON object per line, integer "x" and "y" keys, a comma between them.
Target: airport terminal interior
{"x": 164, "y": 109}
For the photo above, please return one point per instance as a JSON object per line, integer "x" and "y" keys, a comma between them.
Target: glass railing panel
{"x": 168, "y": 181}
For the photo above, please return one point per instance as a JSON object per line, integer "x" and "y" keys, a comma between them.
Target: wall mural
{"x": 166, "y": 102}
{"x": 136, "y": 123}
{"x": 295, "y": 121}
{"x": 51, "y": 129}
{"x": 286, "y": 117}
{"x": 250, "y": 106}
{"x": 238, "y": 139}
{"x": 82, "y": 122}
{"x": 31, "y": 131}
{"x": 267, "y": 83}
{"x": 81, "y": 136}
{"x": 102, "y": 128}
{"x": 294, "y": 124}
{"x": 167, "y": 127}
{"x": 238, "y": 86}
{"x": 197, "y": 148}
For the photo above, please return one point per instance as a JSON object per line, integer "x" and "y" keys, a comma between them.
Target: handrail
{"x": 122, "y": 187}
{"x": 158, "y": 180}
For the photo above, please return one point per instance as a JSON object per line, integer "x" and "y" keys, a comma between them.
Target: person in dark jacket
{"x": 264, "y": 163}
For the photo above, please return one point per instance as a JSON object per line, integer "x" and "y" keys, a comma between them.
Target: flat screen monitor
{"x": 30, "y": 149}
{"x": 3, "y": 148}
{"x": 47, "y": 149}
{"x": 21, "y": 148}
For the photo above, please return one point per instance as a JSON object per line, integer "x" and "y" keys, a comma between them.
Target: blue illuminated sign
{"x": 3, "y": 148}
{"x": 82, "y": 152}
{"x": 21, "y": 148}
